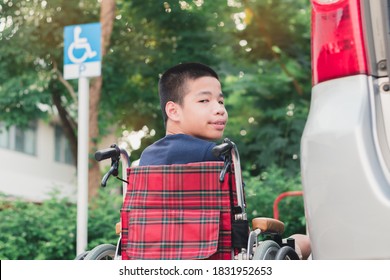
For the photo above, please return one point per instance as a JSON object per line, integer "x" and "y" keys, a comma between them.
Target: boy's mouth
{"x": 219, "y": 125}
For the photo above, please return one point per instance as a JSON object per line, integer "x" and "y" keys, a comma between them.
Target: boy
{"x": 194, "y": 113}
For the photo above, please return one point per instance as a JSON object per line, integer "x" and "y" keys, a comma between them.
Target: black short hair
{"x": 171, "y": 86}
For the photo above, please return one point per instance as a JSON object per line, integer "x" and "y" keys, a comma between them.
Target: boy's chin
{"x": 211, "y": 137}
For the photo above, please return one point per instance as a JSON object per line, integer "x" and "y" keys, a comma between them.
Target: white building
{"x": 35, "y": 162}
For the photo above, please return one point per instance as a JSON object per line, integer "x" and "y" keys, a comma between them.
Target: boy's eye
{"x": 203, "y": 101}
{"x": 221, "y": 102}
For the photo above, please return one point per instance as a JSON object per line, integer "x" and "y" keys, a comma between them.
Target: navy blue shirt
{"x": 178, "y": 149}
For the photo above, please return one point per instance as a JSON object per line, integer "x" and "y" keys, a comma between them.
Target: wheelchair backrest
{"x": 179, "y": 211}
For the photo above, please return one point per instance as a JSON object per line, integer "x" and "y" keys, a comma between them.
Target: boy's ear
{"x": 172, "y": 110}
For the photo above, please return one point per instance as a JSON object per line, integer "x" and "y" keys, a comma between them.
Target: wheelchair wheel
{"x": 286, "y": 253}
{"x": 81, "y": 256}
{"x": 266, "y": 250}
{"x": 102, "y": 252}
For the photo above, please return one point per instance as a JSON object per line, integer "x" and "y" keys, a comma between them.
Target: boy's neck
{"x": 172, "y": 129}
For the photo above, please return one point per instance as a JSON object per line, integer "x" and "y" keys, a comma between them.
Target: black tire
{"x": 287, "y": 253}
{"x": 102, "y": 252}
{"x": 266, "y": 250}
{"x": 81, "y": 256}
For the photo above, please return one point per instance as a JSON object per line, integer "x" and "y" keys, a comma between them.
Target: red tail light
{"x": 337, "y": 40}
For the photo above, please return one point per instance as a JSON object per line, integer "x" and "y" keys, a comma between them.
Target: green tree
{"x": 270, "y": 92}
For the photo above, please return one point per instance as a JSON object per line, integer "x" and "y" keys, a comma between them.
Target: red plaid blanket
{"x": 177, "y": 212}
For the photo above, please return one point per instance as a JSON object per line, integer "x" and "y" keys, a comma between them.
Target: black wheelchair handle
{"x": 222, "y": 149}
{"x": 107, "y": 153}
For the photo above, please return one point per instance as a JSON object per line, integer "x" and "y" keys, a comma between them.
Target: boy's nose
{"x": 221, "y": 110}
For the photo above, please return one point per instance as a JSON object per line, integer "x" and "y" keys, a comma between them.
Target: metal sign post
{"x": 82, "y": 165}
{"x": 82, "y": 59}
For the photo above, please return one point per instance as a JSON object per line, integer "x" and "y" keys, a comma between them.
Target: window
{"x": 25, "y": 139}
{"x": 4, "y": 136}
{"x": 63, "y": 152}
{"x": 21, "y": 139}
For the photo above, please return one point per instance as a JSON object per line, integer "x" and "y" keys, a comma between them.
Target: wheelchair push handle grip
{"x": 107, "y": 153}
{"x": 222, "y": 149}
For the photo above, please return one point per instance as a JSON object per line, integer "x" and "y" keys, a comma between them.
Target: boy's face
{"x": 203, "y": 112}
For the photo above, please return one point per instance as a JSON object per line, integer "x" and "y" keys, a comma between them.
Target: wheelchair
{"x": 188, "y": 212}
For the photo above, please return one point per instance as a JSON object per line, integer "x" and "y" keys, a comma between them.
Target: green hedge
{"x": 262, "y": 190}
{"x": 30, "y": 231}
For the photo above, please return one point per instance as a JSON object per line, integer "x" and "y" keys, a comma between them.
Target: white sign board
{"x": 82, "y": 51}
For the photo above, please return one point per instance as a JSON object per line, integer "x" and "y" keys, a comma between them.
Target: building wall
{"x": 34, "y": 177}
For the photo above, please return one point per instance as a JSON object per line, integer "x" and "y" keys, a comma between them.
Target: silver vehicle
{"x": 345, "y": 146}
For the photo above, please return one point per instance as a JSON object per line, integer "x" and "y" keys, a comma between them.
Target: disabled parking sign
{"x": 82, "y": 60}
{"x": 82, "y": 51}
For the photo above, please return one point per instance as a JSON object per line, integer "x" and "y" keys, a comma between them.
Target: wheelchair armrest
{"x": 268, "y": 225}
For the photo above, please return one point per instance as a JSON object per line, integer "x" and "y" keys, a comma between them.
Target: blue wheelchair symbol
{"x": 82, "y": 43}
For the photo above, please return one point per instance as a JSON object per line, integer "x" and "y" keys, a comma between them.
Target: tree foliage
{"x": 31, "y": 36}
{"x": 260, "y": 49}
{"x": 269, "y": 95}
